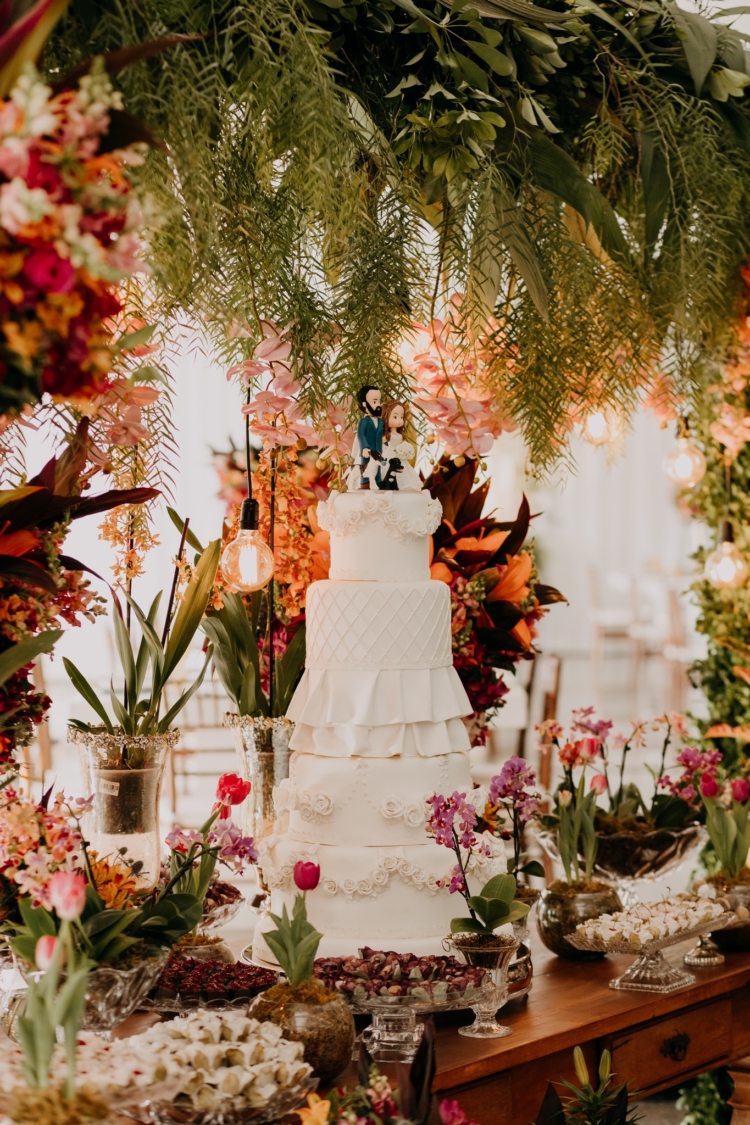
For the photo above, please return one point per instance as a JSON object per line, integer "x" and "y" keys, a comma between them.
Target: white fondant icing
{"x": 380, "y": 536}
{"x": 378, "y": 698}
{"x": 396, "y": 740}
{"x": 394, "y": 625}
{"x": 366, "y": 802}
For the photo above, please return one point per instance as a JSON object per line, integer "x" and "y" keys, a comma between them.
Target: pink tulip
{"x": 599, "y": 783}
{"x": 740, "y": 790}
{"x": 709, "y": 786}
{"x": 67, "y": 892}
{"x": 564, "y": 797}
{"x": 306, "y": 875}
{"x": 45, "y": 951}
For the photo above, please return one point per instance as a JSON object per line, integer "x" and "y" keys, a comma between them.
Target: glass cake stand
{"x": 394, "y": 1034}
{"x": 650, "y": 972}
{"x": 157, "y": 1109}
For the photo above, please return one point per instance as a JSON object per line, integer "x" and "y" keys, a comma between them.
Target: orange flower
{"x": 115, "y": 884}
{"x": 513, "y": 584}
{"x": 522, "y": 633}
{"x": 441, "y": 572}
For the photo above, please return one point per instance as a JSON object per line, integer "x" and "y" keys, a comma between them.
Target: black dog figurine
{"x": 389, "y": 482}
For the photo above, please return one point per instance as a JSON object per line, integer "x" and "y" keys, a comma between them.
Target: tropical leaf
{"x": 26, "y": 652}
{"x": 656, "y": 185}
{"x": 192, "y": 607}
{"x": 699, "y": 42}
{"x": 84, "y": 688}
{"x": 24, "y": 41}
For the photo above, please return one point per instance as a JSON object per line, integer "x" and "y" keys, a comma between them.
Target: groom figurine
{"x": 369, "y": 430}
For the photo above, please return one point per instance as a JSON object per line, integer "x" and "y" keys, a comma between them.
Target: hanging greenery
{"x": 579, "y": 173}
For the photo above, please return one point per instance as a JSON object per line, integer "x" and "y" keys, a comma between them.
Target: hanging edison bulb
{"x": 247, "y": 561}
{"x": 684, "y": 464}
{"x": 603, "y": 427}
{"x": 725, "y": 567}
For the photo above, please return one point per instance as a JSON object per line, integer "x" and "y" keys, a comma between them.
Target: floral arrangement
{"x": 726, "y": 809}
{"x": 650, "y": 921}
{"x": 452, "y": 389}
{"x": 40, "y": 587}
{"x": 69, "y": 226}
{"x": 41, "y": 842}
{"x": 590, "y": 745}
{"x": 454, "y": 823}
{"x": 195, "y": 854}
{"x": 376, "y": 1101}
{"x": 496, "y": 598}
{"x": 512, "y": 804}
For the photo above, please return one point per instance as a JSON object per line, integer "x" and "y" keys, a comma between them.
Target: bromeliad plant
{"x": 148, "y": 671}
{"x": 454, "y": 823}
{"x": 604, "y": 1104}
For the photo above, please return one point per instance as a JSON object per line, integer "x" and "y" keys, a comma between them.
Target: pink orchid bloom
{"x": 128, "y": 430}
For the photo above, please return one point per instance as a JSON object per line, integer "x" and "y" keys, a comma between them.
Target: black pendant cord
{"x": 247, "y": 447}
{"x": 271, "y": 608}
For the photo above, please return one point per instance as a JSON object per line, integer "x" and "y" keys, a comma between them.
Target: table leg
{"x": 740, "y": 1099}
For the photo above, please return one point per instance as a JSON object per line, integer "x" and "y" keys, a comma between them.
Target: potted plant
{"x": 572, "y": 900}
{"x": 727, "y": 805}
{"x": 123, "y": 933}
{"x": 54, "y": 1008}
{"x": 262, "y": 731}
{"x": 587, "y": 1104}
{"x": 122, "y": 760}
{"x": 193, "y": 860}
{"x": 306, "y": 1010}
{"x": 512, "y": 805}
{"x": 455, "y": 824}
{"x": 638, "y": 838}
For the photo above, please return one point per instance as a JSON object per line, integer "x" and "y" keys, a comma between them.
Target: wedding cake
{"x": 379, "y": 728}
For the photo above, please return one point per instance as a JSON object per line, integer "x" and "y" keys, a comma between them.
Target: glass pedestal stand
{"x": 705, "y": 955}
{"x": 651, "y": 973}
{"x": 394, "y": 1034}
{"x": 494, "y": 954}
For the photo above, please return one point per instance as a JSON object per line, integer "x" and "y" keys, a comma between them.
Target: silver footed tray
{"x": 650, "y": 972}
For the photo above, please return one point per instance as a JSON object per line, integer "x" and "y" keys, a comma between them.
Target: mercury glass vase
{"x": 559, "y": 913}
{"x": 124, "y": 775}
{"x": 493, "y": 953}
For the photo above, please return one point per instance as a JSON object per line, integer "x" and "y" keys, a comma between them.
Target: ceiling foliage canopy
{"x": 569, "y": 184}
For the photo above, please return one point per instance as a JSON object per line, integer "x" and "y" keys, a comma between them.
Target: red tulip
{"x": 231, "y": 790}
{"x": 740, "y": 790}
{"x": 598, "y": 783}
{"x": 306, "y": 875}
{"x": 67, "y": 892}
{"x": 709, "y": 785}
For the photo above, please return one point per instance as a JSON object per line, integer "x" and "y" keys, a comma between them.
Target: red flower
{"x": 306, "y": 875}
{"x": 230, "y": 790}
{"x": 709, "y": 786}
{"x": 49, "y": 272}
{"x": 740, "y": 790}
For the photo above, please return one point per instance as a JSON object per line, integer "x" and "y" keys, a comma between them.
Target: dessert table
{"x": 656, "y": 1040}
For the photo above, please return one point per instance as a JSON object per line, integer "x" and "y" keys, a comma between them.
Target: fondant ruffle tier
{"x": 378, "y": 697}
{"x": 426, "y": 740}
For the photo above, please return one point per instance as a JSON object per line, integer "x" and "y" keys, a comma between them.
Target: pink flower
{"x": 564, "y": 797}
{"x": 598, "y": 783}
{"x": 230, "y": 790}
{"x": 48, "y": 271}
{"x": 709, "y": 786}
{"x": 67, "y": 894}
{"x": 128, "y": 430}
{"x": 306, "y": 875}
{"x": 740, "y": 790}
{"x": 45, "y": 951}
{"x": 450, "y": 1113}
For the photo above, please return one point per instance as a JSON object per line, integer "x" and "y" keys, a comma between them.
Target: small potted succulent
{"x": 568, "y": 902}
{"x": 306, "y": 1010}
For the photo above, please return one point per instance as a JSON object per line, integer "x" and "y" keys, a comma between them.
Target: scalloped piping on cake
{"x": 379, "y": 507}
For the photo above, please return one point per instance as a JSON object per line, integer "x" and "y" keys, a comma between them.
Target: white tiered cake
{"x": 378, "y": 729}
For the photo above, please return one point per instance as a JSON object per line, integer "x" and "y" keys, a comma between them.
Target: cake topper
{"x": 379, "y": 447}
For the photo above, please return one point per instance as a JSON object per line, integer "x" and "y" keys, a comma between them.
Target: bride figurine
{"x": 394, "y": 447}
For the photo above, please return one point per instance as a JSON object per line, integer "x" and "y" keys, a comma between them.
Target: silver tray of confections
{"x": 650, "y": 972}
{"x": 227, "y": 1111}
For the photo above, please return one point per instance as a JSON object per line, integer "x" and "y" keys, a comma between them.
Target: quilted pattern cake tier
{"x": 388, "y": 625}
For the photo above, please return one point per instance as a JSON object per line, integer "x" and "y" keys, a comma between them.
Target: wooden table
{"x": 655, "y": 1040}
